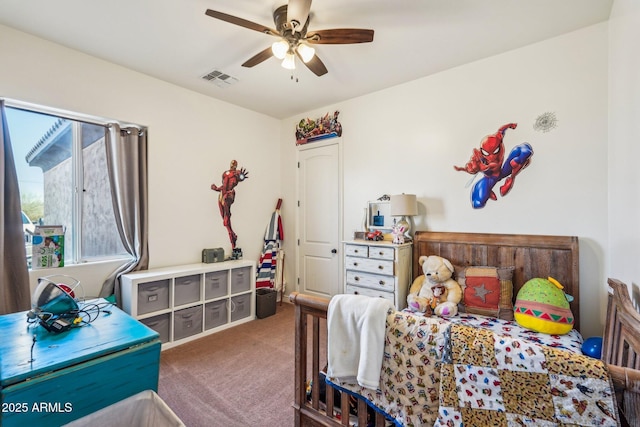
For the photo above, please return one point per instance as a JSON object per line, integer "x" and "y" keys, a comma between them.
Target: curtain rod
{"x": 70, "y": 115}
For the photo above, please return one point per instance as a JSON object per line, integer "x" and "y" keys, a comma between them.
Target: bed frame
{"x": 531, "y": 256}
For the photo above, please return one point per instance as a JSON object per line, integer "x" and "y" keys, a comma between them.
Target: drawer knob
{"x": 380, "y": 253}
{"x": 356, "y": 278}
{"x": 381, "y": 282}
{"x": 355, "y": 264}
{"x": 380, "y": 267}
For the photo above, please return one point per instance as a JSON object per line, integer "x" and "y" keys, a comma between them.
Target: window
{"x": 62, "y": 175}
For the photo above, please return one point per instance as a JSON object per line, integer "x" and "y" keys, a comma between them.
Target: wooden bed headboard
{"x": 530, "y": 255}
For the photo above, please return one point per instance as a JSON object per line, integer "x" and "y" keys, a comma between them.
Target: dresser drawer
{"x": 355, "y": 290}
{"x": 369, "y": 265}
{"x": 381, "y": 253}
{"x": 374, "y": 281}
{"x": 356, "y": 250}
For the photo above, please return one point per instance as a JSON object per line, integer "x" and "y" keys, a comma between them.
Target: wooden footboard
{"x": 621, "y": 351}
{"x": 310, "y": 358}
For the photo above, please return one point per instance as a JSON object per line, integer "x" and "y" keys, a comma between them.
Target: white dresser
{"x": 379, "y": 269}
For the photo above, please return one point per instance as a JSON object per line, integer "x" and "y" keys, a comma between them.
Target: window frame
{"x": 76, "y": 257}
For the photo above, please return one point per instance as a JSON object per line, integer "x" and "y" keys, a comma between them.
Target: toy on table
{"x": 375, "y": 235}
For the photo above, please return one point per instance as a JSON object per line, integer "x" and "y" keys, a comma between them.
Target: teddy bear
{"x": 435, "y": 291}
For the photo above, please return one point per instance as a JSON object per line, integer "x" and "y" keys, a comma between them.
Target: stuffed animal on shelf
{"x": 435, "y": 291}
{"x": 542, "y": 306}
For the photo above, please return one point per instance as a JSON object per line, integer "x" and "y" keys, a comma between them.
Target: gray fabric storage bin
{"x": 144, "y": 409}
{"x": 240, "y": 279}
{"x": 186, "y": 289}
{"x": 160, "y": 324}
{"x": 265, "y": 302}
{"x": 153, "y": 296}
{"x": 215, "y": 314}
{"x": 187, "y": 322}
{"x": 215, "y": 284}
{"x": 240, "y": 306}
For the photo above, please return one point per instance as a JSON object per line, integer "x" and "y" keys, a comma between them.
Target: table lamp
{"x": 404, "y": 205}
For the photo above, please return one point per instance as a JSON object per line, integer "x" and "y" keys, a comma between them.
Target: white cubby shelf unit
{"x": 186, "y": 302}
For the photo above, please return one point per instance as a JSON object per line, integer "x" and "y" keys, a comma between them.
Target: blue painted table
{"x": 74, "y": 373}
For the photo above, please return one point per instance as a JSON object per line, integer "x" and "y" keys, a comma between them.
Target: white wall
{"x": 403, "y": 139}
{"x": 624, "y": 143}
{"x": 192, "y": 139}
{"x": 407, "y": 139}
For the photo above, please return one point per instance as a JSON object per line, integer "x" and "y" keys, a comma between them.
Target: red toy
{"x": 375, "y": 235}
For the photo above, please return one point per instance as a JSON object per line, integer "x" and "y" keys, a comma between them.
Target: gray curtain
{"x": 15, "y": 294}
{"x": 127, "y": 167}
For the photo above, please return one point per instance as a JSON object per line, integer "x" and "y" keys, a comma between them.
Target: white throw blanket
{"x": 356, "y": 331}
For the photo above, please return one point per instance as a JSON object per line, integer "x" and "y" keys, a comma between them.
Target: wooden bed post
{"x": 621, "y": 351}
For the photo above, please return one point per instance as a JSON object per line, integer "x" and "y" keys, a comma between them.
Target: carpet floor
{"x": 242, "y": 376}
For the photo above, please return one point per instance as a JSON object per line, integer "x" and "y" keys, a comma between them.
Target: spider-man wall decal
{"x": 488, "y": 160}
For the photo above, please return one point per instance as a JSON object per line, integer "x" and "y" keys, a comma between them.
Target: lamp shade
{"x": 404, "y": 205}
{"x": 280, "y": 49}
{"x": 306, "y": 52}
{"x": 289, "y": 62}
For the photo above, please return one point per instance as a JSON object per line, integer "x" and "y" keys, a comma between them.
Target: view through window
{"x": 62, "y": 175}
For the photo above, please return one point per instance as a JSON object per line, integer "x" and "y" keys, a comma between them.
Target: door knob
{"x": 334, "y": 251}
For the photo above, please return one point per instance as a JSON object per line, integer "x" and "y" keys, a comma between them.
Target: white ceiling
{"x": 175, "y": 41}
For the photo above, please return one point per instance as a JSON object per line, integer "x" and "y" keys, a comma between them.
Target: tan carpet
{"x": 242, "y": 376}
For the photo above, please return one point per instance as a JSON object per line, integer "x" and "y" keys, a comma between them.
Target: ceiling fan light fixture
{"x": 280, "y": 49}
{"x": 306, "y": 52}
{"x": 289, "y": 61}
{"x": 291, "y": 21}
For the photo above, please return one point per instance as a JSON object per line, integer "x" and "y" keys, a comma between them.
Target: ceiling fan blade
{"x": 340, "y": 36}
{"x": 315, "y": 65}
{"x": 241, "y": 22}
{"x": 258, "y": 58}
{"x": 298, "y": 11}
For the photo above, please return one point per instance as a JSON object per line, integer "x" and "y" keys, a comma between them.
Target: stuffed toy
{"x": 398, "y": 234}
{"x": 435, "y": 291}
{"x": 542, "y": 306}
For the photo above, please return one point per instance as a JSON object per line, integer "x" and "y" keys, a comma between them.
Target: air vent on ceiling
{"x": 220, "y": 79}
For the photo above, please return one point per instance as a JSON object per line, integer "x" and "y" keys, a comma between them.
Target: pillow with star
{"x": 487, "y": 291}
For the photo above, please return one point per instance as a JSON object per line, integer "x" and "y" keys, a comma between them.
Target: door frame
{"x": 339, "y": 141}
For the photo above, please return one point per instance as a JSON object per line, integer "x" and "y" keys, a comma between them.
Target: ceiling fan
{"x": 291, "y": 21}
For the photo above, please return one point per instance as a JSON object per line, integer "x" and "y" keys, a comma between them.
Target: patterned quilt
{"x": 410, "y": 378}
{"x": 519, "y": 383}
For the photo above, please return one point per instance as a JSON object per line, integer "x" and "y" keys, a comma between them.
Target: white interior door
{"x": 319, "y": 220}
